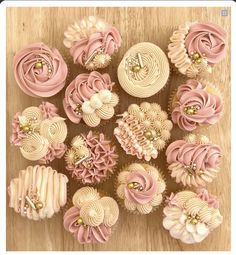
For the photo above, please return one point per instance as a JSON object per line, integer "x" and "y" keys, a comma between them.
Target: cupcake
{"x": 92, "y": 217}
{"x": 40, "y": 71}
{"x": 89, "y": 97}
{"x": 190, "y": 216}
{"x": 38, "y": 193}
{"x": 140, "y": 188}
{"x": 40, "y": 133}
{"x": 143, "y": 130}
{"x": 196, "y": 104}
{"x": 195, "y": 48}
{"x": 92, "y": 42}
{"x": 144, "y": 70}
{"x": 91, "y": 159}
{"x": 193, "y": 161}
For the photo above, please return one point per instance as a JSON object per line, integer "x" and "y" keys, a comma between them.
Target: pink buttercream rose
{"x": 109, "y": 41}
{"x": 209, "y": 198}
{"x": 81, "y": 89}
{"x": 193, "y": 93}
{"x": 82, "y": 233}
{"x": 147, "y": 184}
{"x": 207, "y": 38}
{"x": 55, "y": 150}
{"x": 17, "y": 133}
{"x": 48, "y": 110}
{"x": 40, "y": 71}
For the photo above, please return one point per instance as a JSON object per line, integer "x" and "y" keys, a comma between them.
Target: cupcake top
{"x": 196, "y": 103}
{"x": 39, "y": 70}
{"x": 92, "y": 42}
{"x": 90, "y": 97}
{"x": 92, "y": 216}
{"x": 144, "y": 70}
{"x": 140, "y": 187}
{"x": 40, "y": 133}
{"x": 92, "y": 158}
{"x": 190, "y": 216}
{"x": 195, "y": 47}
{"x": 143, "y": 130}
{"x": 193, "y": 161}
{"x": 38, "y": 192}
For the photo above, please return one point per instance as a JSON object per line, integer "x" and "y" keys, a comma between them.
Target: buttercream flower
{"x": 40, "y": 71}
{"x": 89, "y": 97}
{"x": 55, "y": 150}
{"x": 92, "y": 42}
{"x": 48, "y": 110}
{"x": 196, "y": 104}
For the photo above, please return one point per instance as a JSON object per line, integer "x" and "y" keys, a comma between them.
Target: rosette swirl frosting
{"x": 40, "y": 71}
{"x": 39, "y": 192}
{"x": 193, "y": 163}
{"x": 140, "y": 187}
{"x": 190, "y": 218}
{"x": 196, "y": 104}
{"x": 89, "y": 97}
{"x": 91, "y": 217}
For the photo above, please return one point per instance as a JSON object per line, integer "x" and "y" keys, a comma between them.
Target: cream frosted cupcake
{"x": 40, "y": 133}
{"x": 89, "y": 97}
{"x": 92, "y": 42}
{"x": 143, "y": 130}
{"x": 190, "y": 217}
{"x": 38, "y": 193}
{"x": 196, "y": 104}
{"x": 196, "y": 47}
{"x": 92, "y": 217}
{"x": 92, "y": 158}
{"x": 193, "y": 161}
{"x": 144, "y": 70}
{"x": 140, "y": 188}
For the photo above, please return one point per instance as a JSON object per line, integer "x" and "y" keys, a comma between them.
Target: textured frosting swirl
{"x": 49, "y": 186}
{"x": 205, "y": 101}
{"x": 40, "y": 71}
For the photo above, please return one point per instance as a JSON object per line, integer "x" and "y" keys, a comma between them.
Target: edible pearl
{"x": 195, "y": 56}
{"x": 136, "y": 68}
{"x": 38, "y": 65}
{"x": 148, "y": 134}
{"x": 194, "y": 221}
{"x": 80, "y": 221}
{"x": 26, "y": 129}
{"x": 131, "y": 185}
{"x": 39, "y": 205}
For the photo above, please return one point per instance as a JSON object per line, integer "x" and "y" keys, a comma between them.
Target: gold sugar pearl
{"x": 194, "y": 221}
{"x": 131, "y": 185}
{"x": 196, "y": 56}
{"x": 136, "y": 68}
{"x": 38, "y": 65}
{"x": 39, "y": 205}
{"x": 80, "y": 221}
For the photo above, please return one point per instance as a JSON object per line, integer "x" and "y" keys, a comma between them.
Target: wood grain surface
{"x": 28, "y": 25}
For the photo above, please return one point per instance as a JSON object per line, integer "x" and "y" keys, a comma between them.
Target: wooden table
{"x": 28, "y": 25}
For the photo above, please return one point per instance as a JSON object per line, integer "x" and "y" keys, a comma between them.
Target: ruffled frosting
{"x": 38, "y": 192}
{"x": 48, "y": 110}
{"x": 193, "y": 163}
{"x": 196, "y": 104}
{"x": 40, "y": 71}
{"x": 92, "y": 42}
{"x": 89, "y": 97}
{"x": 144, "y": 70}
{"x": 140, "y": 187}
{"x": 98, "y": 164}
{"x": 190, "y": 218}
{"x": 92, "y": 217}
{"x": 143, "y": 130}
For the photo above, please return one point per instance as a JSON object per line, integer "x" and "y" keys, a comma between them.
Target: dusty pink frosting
{"x": 36, "y": 82}
{"x": 205, "y": 156}
{"x": 48, "y": 110}
{"x": 55, "y": 150}
{"x": 17, "y": 133}
{"x": 108, "y": 40}
{"x": 148, "y": 184}
{"x": 85, "y": 234}
{"x": 193, "y": 93}
{"x": 104, "y": 160}
{"x": 209, "y": 198}
{"x": 207, "y": 38}
{"x": 81, "y": 89}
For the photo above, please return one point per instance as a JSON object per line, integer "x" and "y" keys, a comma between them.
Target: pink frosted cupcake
{"x": 40, "y": 71}
{"x": 190, "y": 217}
{"x": 92, "y": 42}
{"x": 196, "y": 104}
{"x": 193, "y": 161}
{"x": 89, "y": 97}
{"x": 38, "y": 193}
{"x": 91, "y": 159}
{"x": 40, "y": 133}
{"x": 140, "y": 188}
{"x": 195, "y": 48}
{"x": 92, "y": 217}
